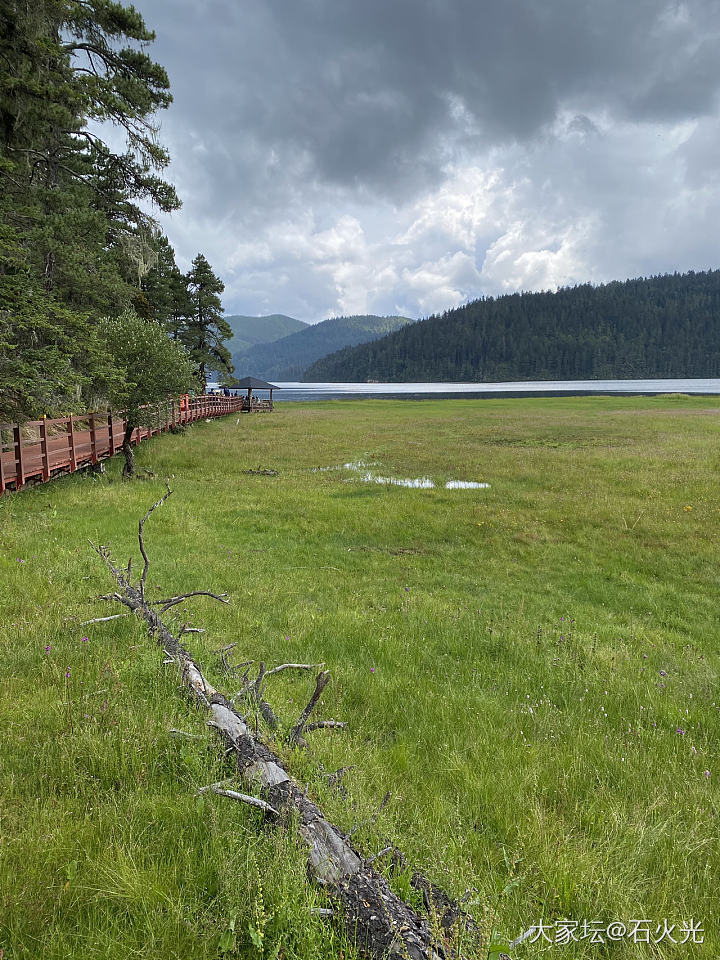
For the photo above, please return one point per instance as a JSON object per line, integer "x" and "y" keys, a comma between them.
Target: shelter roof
{"x": 255, "y": 384}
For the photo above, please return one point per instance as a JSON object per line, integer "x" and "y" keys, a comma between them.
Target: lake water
{"x": 548, "y": 388}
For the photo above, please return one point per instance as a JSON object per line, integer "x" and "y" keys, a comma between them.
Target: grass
{"x": 531, "y": 670}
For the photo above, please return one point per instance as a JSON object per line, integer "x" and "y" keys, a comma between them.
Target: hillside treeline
{"x": 664, "y": 326}
{"x": 288, "y": 358}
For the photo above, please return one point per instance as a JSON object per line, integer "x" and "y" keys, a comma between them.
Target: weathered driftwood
{"x": 376, "y": 919}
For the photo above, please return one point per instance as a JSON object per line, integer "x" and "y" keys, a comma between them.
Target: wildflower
{"x": 693, "y": 750}
{"x": 84, "y": 639}
{"x": 663, "y": 673}
{"x": 680, "y": 731}
{"x": 707, "y": 773}
{"x": 372, "y": 669}
{"x": 47, "y": 648}
{"x": 67, "y": 673}
{"x": 687, "y": 508}
{"x": 644, "y": 656}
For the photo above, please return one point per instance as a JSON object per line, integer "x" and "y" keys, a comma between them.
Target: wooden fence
{"x": 39, "y": 450}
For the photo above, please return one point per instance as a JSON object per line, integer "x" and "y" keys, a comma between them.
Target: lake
{"x": 294, "y": 390}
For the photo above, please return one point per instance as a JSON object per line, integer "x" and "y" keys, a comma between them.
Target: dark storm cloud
{"x": 373, "y": 94}
{"x": 322, "y": 147}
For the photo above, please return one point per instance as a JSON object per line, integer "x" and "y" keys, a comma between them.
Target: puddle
{"x": 465, "y": 485}
{"x": 419, "y": 483}
{"x": 422, "y": 483}
{"x": 355, "y": 465}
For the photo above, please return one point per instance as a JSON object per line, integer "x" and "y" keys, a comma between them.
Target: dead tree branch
{"x": 321, "y": 681}
{"x": 381, "y": 924}
{"x": 141, "y": 539}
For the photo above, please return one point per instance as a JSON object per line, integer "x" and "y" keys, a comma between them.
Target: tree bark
{"x": 128, "y": 471}
{"x": 376, "y": 919}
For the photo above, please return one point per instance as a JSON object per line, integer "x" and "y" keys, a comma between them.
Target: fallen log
{"x": 376, "y": 919}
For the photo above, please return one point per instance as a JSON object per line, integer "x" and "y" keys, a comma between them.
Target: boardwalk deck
{"x": 43, "y": 449}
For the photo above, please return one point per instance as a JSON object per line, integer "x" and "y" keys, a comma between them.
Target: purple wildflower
{"x": 663, "y": 673}
{"x": 84, "y": 639}
{"x": 372, "y": 669}
{"x": 680, "y": 731}
{"x": 67, "y": 673}
{"x": 47, "y": 648}
{"x": 707, "y": 773}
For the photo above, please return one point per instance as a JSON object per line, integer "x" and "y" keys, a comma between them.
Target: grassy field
{"x": 530, "y": 669}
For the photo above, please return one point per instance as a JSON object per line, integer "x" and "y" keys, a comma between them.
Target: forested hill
{"x": 247, "y": 331}
{"x": 665, "y": 326}
{"x": 288, "y": 358}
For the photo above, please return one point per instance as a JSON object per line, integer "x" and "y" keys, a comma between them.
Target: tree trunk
{"x": 128, "y": 471}
{"x": 382, "y": 925}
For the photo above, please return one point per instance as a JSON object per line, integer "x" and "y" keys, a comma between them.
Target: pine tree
{"x": 73, "y": 239}
{"x": 207, "y": 330}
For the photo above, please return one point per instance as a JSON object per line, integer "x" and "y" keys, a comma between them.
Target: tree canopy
{"x": 153, "y": 368}
{"x": 665, "y": 326}
{"x": 76, "y": 239}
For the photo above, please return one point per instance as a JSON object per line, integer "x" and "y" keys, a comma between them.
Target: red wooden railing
{"x": 39, "y": 450}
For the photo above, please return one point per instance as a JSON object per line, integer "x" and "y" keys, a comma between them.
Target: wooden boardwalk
{"x": 40, "y": 450}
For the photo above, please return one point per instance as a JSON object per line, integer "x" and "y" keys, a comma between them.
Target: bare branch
{"x": 322, "y": 680}
{"x": 334, "y": 779}
{"x": 293, "y": 666}
{"x": 263, "y": 805}
{"x": 380, "y": 853}
{"x": 141, "y": 541}
{"x": 173, "y": 601}
{"x": 115, "y": 616}
{"x": 182, "y": 733}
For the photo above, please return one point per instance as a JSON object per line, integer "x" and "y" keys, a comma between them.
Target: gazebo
{"x": 255, "y": 404}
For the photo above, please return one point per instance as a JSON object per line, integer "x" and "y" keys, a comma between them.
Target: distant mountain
{"x": 287, "y": 358}
{"x": 247, "y": 331}
{"x": 665, "y": 326}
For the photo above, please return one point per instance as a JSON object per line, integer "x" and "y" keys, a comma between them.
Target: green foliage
{"x": 206, "y": 330}
{"x": 154, "y": 368}
{"x": 74, "y": 240}
{"x": 516, "y": 711}
{"x": 289, "y": 357}
{"x": 665, "y": 326}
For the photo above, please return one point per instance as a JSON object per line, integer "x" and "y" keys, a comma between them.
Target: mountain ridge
{"x": 662, "y": 326}
{"x": 248, "y": 330}
{"x": 288, "y": 357}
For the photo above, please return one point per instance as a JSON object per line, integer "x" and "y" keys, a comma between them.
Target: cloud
{"x": 406, "y": 156}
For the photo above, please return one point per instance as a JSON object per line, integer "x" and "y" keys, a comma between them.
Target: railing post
{"x": 19, "y": 468}
{"x": 71, "y": 436}
{"x": 44, "y": 452}
{"x": 111, "y": 438}
{"x": 2, "y": 471}
{"x": 93, "y": 442}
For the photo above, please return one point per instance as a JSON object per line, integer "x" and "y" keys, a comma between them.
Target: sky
{"x": 408, "y": 156}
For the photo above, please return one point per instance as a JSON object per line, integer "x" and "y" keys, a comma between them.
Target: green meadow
{"x": 530, "y": 670}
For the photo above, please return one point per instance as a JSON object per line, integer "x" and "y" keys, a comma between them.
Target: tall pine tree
{"x": 74, "y": 241}
{"x": 207, "y": 330}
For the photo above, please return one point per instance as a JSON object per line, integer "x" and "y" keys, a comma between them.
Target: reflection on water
{"x": 422, "y": 483}
{"x": 419, "y": 483}
{"x": 294, "y": 390}
{"x": 465, "y": 485}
